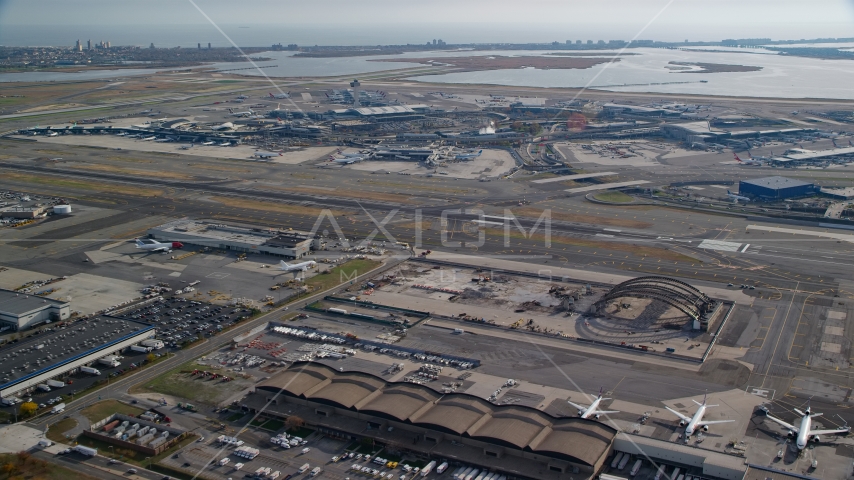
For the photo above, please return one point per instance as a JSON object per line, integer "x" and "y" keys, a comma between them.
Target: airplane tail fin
{"x": 138, "y": 242}
{"x": 736, "y": 157}
{"x": 283, "y": 264}
{"x": 799, "y": 412}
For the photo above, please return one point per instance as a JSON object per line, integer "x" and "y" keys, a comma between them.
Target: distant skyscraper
{"x": 108, "y": 44}
{"x": 88, "y": 44}
{"x": 200, "y": 45}
{"x": 209, "y": 45}
{"x": 152, "y": 45}
{"x": 78, "y": 47}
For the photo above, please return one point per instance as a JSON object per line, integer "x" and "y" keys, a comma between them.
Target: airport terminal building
{"x": 235, "y": 238}
{"x": 776, "y": 188}
{"x": 19, "y": 311}
{"x": 520, "y": 441}
{"x": 63, "y": 351}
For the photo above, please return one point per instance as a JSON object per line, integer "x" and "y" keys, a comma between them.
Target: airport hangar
{"x": 56, "y": 354}
{"x": 776, "y": 188}
{"x": 515, "y": 439}
{"x": 19, "y": 311}
{"x": 236, "y": 238}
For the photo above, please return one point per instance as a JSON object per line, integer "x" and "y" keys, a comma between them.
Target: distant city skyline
{"x": 340, "y": 22}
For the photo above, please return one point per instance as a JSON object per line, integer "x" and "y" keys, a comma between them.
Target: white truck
{"x": 58, "y": 408}
{"x": 43, "y": 387}
{"x": 428, "y": 468}
{"x": 304, "y": 468}
{"x": 155, "y": 344}
{"x": 315, "y": 472}
{"x": 441, "y": 468}
{"x": 55, "y": 384}
{"x": 89, "y": 452}
{"x": 138, "y": 348}
{"x": 110, "y": 361}
{"x": 90, "y": 370}
{"x": 9, "y": 401}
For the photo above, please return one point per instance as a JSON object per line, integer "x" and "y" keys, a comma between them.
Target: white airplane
{"x": 247, "y": 113}
{"x": 281, "y": 95}
{"x": 695, "y": 422}
{"x": 163, "y": 140}
{"x": 121, "y": 134}
{"x": 751, "y": 161}
{"x": 736, "y": 198}
{"x": 52, "y": 134}
{"x": 348, "y": 160}
{"x": 805, "y": 433}
{"x": 243, "y": 97}
{"x": 156, "y": 246}
{"x": 348, "y": 154}
{"x": 224, "y": 126}
{"x": 468, "y": 156}
{"x": 266, "y": 154}
{"x": 208, "y": 143}
{"x": 148, "y": 138}
{"x": 225, "y": 144}
{"x": 296, "y": 266}
{"x": 593, "y": 409}
{"x": 186, "y": 147}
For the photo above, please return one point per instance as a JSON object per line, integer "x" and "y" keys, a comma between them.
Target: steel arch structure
{"x": 675, "y": 293}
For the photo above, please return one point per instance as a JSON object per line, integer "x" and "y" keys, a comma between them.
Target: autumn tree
{"x": 28, "y": 408}
{"x": 294, "y": 422}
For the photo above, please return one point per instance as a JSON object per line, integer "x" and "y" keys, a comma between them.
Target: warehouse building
{"x": 20, "y": 311}
{"x": 63, "y": 351}
{"x": 235, "y": 238}
{"x": 776, "y": 188}
{"x": 516, "y": 440}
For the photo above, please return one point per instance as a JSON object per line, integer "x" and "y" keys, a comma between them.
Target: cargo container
{"x": 58, "y": 408}
{"x": 441, "y": 468}
{"x": 675, "y": 473}
{"x": 337, "y": 310}
{"x": 465, "y": 472}
{"x": 110, "y": 426}
{"x": 109, "y": 361}
{"x": 659, "y": 473}
{"x": 224, "y": 461}
{"x": 624, "y": 461}
{"x": 636, "y": 468}
{"x": 55, "y": 384}
{"x": 428, "y": 468}
{"x": 90, "y": 370}
{"x": 145, "y": 439}
{"x": 89, "y": 452}
{"x": 616, "y": 460}
{"x": 137, "y": 348}
{"x": 472, "y": 474}
{"x": 157, "y": 442}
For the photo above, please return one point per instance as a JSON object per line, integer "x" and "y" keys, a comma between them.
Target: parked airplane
{"x": 281, "y": 95}
{"x": 468, "y": 156}
{"x": 804, "y": 433}
{"x": 242, "y": 97}
{"x": 247, "y": 113}
{"x": 296, "y": 266}
{"x": 208, "y": 143}
{"x": 121, "y": 134}
{"x": 266, "y": 154}
{"x": 695, "y": 422}
{"x": 148, "y": 138}
{"x": 163, "y": 140}
{"x": 736, "y": 198}
{"x": 156, "y": 246}
{"x": 225, "y": 144}
{"x": 593, "y": 409}
{"x": 348, "y": 160}
{"x": 52, "y": 134}
{"x": 751, "y": 161}
{"x": 348, "y": 154}
{"x": 224, "y": 126}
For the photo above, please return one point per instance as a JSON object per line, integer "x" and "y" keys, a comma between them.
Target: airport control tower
{"x": 355, "y": 84}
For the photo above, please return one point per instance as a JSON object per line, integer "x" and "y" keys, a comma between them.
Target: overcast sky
{"x": 554, "y": 19}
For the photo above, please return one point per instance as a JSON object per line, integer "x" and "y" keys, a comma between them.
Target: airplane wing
{"x": 681, "y": 417}
{"x": 830, "y": 432}
{"x": 782, "y": 423}
{"x": 712, "y": 422}
{"x": 605, "y": 412}
{"x": 159, "y": 249}
{"x": 580, "y": 407}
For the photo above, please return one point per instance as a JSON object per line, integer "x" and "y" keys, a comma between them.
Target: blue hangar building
{"x": 776, "y": 188}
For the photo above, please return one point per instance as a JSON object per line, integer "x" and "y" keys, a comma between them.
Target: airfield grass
{"x": 581, "y": 218}
{"x": 636, "y": 250}
{"x": 56, "y": 430}
{"x": 357, "y": 194}
{"x": 100, "y": 186}
{"x": 422, "y": 187}
{"x": 179, "y": 382}
{"x": 101, "y": 410}
{"x": 613, "y": 197}
{"x": 132, "y": 171}
{"x": 273, "y": 207}
{"x": 341, "y": 274}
